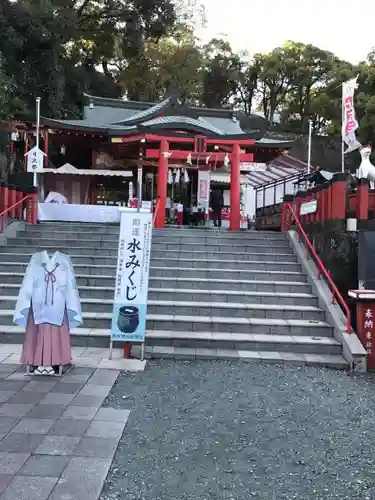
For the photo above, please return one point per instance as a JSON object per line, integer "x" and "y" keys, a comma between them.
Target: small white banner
{"x": 310, "y": 207}
{"x": 349, "y": 121}
{"x": 203, "y": 198}
{"x": 35, "y": 160}
{"x": 133, "y": 267}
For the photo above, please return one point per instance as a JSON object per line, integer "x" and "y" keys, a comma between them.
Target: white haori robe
{"x": 49, "y": 287}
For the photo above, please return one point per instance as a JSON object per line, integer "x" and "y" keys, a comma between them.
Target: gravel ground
{"x": 238, "y": 431}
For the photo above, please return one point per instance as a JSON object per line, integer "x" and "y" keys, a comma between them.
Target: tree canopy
{"x": 144, "y": 49}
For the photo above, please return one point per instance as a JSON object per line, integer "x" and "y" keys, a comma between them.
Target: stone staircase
{"x": 212, "y": 294}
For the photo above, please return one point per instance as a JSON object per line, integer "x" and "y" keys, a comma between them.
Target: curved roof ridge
{"x": 201, "y": 123}
{"x": 156, "y": 108}
{"x": 115, "y": 99}
{"x": 209, "y": 125}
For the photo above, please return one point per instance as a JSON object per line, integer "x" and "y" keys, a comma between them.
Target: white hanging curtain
{"x": 170, "y": 176}
{"x": 177, "y": 178}
{"x": 186, "y": 177}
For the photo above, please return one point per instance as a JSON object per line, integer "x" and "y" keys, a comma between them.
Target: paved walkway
{"x": 56, "y": 442}
{"x": 92, "y": 357}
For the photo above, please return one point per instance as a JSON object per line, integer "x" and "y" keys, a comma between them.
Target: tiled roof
{"x": 182, "y": 119}
{"x": 146, "y": 112}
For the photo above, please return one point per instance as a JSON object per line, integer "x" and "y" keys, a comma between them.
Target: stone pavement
{"x": 56, "y": 442}
{"x": 91, "y": 357}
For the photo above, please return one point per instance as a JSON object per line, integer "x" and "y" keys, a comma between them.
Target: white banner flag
{"x": 131, "y": 286}
{"x": 203, "y": 198}
{"x": 349, "y": 121}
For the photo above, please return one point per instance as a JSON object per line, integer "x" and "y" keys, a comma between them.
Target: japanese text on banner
{"x": 369, "y": 330}
{"x": 131, "y": 288}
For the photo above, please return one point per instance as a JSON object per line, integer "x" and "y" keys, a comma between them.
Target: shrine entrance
{"x": 156, "y": 141}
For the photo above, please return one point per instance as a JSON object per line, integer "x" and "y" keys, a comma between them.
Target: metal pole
{"x": 139, "y": 190}
{"x": 35, "y": 176}
{"x": 139, "y": 187}
{"x": 342, "y": 124}
{"x": 309, "y": 148}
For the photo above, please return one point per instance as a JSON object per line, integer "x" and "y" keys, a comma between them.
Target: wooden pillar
{"x": 19, "y": 196}
{"x": 299, "y": 200}
{"x": 161, "y": 188}
{"x": 285, "y": 214}
{"x": 235, "y": 189}
{"x": 12, "y": 201}
{"x": 338, "y": 196}
{"x": 26, "y": 148}
{"x": 318, "y": 194}
{"x": 324, "y": 201}
{"x": 264, "y": 199}
{"x": 3, "y": 195}
{"x": 314, "y": 198}
{"x": 362, "y": 199}
{"x": 308, "y": 197}
{"x": 329, "y": 201}
{"x": 32, "y": 206}
{"x": 46, "y": 149}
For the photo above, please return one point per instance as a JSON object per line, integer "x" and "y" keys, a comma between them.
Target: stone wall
{"x": 338, "y": 250}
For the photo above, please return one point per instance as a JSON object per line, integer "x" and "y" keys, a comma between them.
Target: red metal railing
{"x": 322, "y": 270}
{"x": 5, "y": 214}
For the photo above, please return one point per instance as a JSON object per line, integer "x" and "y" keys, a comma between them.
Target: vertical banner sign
{"x": 367, "y": 333}
{"x": 349, "y": 121}
{"x": 203, "y": 198}
{"x": 35, "y": 160}
{"x": 133, "y": 266}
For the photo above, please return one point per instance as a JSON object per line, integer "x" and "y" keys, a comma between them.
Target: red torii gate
{"x": 165, "y": 152}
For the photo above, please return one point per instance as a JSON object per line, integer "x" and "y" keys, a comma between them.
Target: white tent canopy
{"x": 67, "y": 168}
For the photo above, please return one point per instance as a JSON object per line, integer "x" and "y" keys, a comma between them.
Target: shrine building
{"x": 96, "y": 160}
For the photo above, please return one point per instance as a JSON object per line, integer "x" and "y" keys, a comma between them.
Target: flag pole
{"x": 35, "y": 176}
{"x": 309, "y": 148}
{"x": 342, "y": 134}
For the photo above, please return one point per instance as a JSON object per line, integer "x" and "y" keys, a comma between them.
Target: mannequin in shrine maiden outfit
{"x": 48, "y": 306}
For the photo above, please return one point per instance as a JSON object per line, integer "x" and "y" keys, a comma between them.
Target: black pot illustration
{"x": 128, "y": 319}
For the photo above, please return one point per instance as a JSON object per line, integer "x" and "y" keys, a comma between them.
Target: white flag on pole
{"x": 349, "y": 121}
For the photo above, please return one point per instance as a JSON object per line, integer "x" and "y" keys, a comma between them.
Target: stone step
{"x": 166, "y": 232}
{"x": 78, "y": 242}
{"x": 232, "y": 274}
{"x": 311, "y": 328}
{"x": 265, "y": 265}
{"x": 161, "y": 237}
{"x": 94, "y": 293}
{"x": 288, "y": 358}
{"x": 196, "y": 267}
{"x": 248, "y": 342}
{"x": 261, "y": 247}
{"x": 171, "y": 341}
{"x": 179, "y": 282}
{"x": 255, "y": 272}
{"x": 19, "y": 247}
{"x": 23, "y": 254}
{"x": 191, "y": 308}
{"x": 180, "y": 294}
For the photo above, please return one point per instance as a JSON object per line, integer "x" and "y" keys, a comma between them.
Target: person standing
{"x": 217, "y": 204}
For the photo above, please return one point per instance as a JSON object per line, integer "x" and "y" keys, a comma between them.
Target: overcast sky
{"x": 343, "y": 27}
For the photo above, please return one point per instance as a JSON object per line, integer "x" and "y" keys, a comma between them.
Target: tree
{"x": 247, "y": 89}
{"x": 311, "y": 70}
{"x": 221, "y": 73}
{"x": 173, "y": 63}
{"x": 276, "y": 80}
{"x": 43, "y": 43}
